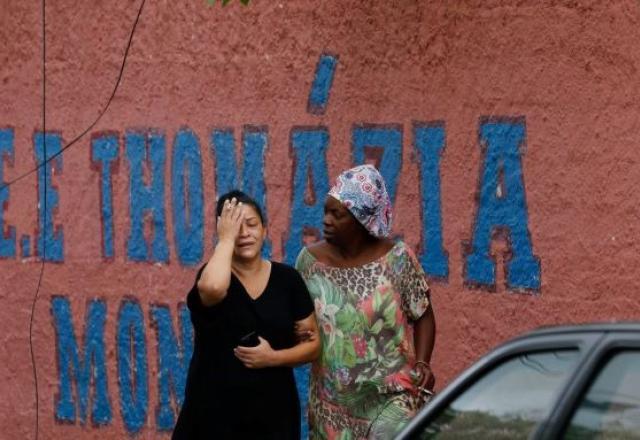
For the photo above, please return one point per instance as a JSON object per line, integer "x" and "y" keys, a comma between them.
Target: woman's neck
{"x": 357, "y": 246}
{"x": 358, "y": 251}
{"x": 246, "y": 268}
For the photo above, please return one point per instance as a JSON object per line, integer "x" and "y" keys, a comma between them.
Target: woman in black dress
{"x": 245, "y": 311}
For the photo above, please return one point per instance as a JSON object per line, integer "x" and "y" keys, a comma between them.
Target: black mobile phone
{"x": 249, "y": 340}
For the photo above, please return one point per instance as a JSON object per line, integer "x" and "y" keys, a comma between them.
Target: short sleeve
{"x": 413, "y": 286}
{"x": 303, "y": 261}
{"x": 301, "y": 303}
{"x": 199, "y": 312}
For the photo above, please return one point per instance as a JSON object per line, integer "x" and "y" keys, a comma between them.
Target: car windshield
{"x": 509, "y": 401}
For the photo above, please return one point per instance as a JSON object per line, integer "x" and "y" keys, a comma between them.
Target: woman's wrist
{"x": 225, "y": 241}
{"x": 423, "y": 363}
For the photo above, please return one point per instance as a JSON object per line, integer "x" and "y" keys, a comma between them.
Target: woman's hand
{"x": 426, "y": 379}
{"x": 303, "y": 333}
{"x": 230, "y": 220}
{"x": 260, "y": 356}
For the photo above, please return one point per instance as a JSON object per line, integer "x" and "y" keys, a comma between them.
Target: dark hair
{"x": 240, "y": 197}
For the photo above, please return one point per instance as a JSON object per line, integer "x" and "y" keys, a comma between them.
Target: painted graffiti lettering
{"x": 309, "y": 149}
{"x": 429, "y": 143}
{"x": 8, "y": 232}
{"x": 104, "y": 155}
{"x": 132, "y": 365}
{"x": 382, "y": 146}
{"x": 254, "y": 147}
{"x": 501, "y": 211}
{"x": 49, "y": 239}
{"x": 322, "y": 82}
{"x": 173, "y": 362}
{"x": 146, "y": 150}
{"x": 187, "y": 198}
{"x": 83, "y": 367}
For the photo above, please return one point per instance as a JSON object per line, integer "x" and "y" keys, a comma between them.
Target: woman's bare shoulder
{"x": 388, "y": 244}
{"x": 318, "y": 249}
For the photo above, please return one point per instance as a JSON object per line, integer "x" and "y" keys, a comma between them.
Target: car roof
{"x": 597, "y": 327}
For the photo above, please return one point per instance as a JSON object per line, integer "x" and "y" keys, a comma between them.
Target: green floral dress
{"x": 362, "y": 385}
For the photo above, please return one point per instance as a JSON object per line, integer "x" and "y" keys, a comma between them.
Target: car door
{"x": 508, "y": 394}
{"x": 604, "y": 402}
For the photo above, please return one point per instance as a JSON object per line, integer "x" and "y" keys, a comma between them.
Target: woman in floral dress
{"x": 373, "y": 308}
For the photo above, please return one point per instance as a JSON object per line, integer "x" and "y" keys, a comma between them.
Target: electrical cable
{"x": 45, "y": 162}
{"x": 102, "y": 112}
{"x": 44, "y": 247}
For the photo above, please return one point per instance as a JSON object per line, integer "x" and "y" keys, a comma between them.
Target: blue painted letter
{"x": 309, "y": 147}
{"x": 380, "y": 145}
{"x": 322, "y": 82}
{"x": 187, "y": 199}
{"x": 25, "y": 244}
{"x": 254, "y": 144}
{"x": 173, "y": 362}
{"x": 146, "y": 199}
{"x": 50, "y": 242}
{"x": 83, "y": 371}
{"x": 429, "y": 142}
{"x": 132, "y": 366}
{"x": 7, "y": 235}
{"x": 104, "y": 151}
{"x": 502, "y": 208}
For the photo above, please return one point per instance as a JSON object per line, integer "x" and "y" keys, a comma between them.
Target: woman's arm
{"x": 216, "y": 276}
{"x": 262, "y": 355}
{"x": 424, "y": 336}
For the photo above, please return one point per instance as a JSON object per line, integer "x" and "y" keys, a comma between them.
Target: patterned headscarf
{"x": 362, "y": 191}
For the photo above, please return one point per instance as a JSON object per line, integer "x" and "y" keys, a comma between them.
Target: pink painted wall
{"x": 568, "y": 71}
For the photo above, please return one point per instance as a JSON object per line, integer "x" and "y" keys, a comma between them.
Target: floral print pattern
{"x": 363, "y": 192}
{"x": 363, "y": 377}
